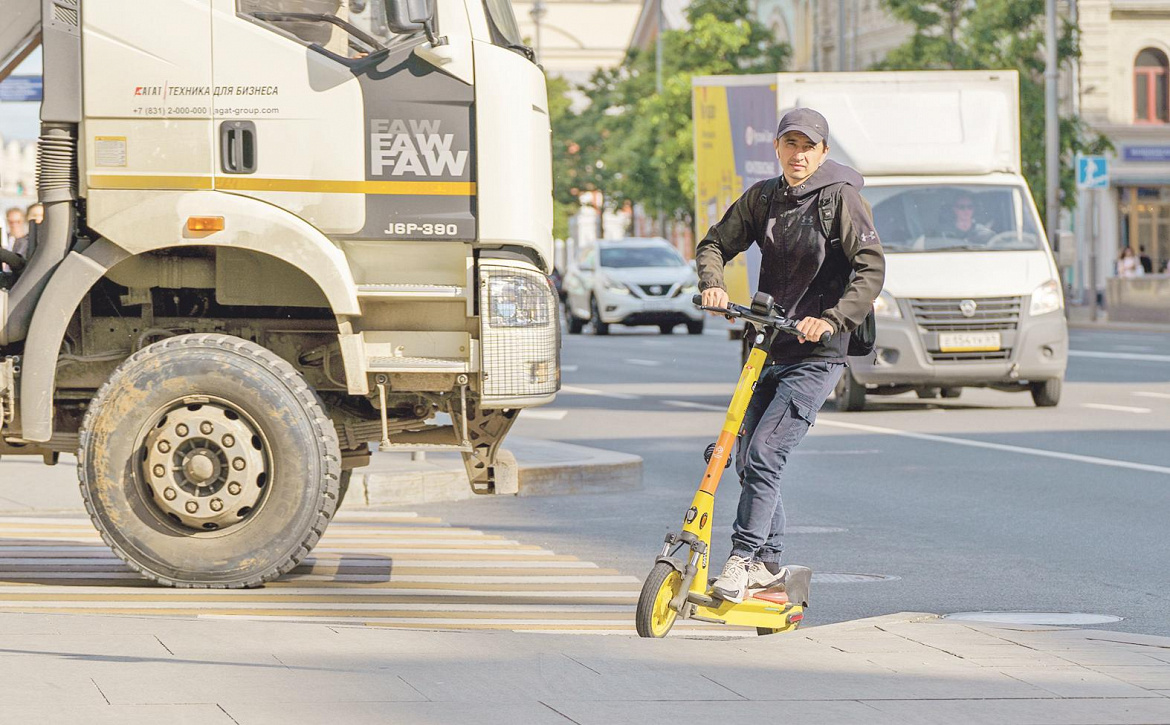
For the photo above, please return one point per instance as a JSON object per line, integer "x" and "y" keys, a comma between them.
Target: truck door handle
{"x": 237, "y": 147}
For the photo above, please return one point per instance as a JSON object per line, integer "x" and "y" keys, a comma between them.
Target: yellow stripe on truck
{"x": 240, "y": 183}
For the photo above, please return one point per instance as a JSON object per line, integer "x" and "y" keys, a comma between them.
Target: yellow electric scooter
{"x": 678, "y": 585}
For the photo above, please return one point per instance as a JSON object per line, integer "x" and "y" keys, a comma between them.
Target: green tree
{"x": 644, "y": 139}
{"x": 996, "y": 34}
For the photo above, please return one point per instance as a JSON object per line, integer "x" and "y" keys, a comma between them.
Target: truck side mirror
{"x": 410, "y": 16}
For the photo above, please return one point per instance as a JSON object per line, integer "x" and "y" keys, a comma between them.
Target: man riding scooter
{"x": 829, "y": 283}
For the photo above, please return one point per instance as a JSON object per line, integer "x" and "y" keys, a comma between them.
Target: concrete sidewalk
{"x": 904, "y": 668}
{"x": 1079, "y": 318}
{"x": 533, "y": 467}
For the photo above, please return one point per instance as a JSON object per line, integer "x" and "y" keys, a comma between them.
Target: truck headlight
{"x": 612, "y": 285}
{"x": 519, "y": 335}
{"x": 886, "y": 306}
{"x": 1046, "y": 298}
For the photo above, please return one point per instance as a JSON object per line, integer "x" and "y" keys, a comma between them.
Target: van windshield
{"x": 941, "y": 218}
{"x": 640, "y": 257}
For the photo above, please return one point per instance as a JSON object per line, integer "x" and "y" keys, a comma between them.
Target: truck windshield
{"x": 348, "y": 28}
{"x": 505, "y": 29}
{"x": 640, "y": 257}
{"x": 939, "y": 218}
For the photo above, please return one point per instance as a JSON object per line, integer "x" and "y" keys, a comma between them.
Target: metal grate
{"x": 520, "y": 334}
{"x": 989, "y": 313}
{"x": 981, "y": 356}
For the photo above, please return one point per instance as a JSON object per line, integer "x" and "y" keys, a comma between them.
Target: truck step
{"x": 411, "y": 447}
{"x": 395, "y": 364}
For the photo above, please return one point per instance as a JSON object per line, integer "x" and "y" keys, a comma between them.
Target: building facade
{"x": 1123, "y": 93}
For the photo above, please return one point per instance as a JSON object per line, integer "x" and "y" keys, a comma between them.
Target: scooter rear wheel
{"x": 654, "y": 617}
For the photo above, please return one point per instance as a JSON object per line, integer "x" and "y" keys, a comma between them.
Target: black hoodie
{"x": 798, "y": 269}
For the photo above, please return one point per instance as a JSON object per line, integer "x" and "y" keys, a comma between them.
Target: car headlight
{"x": 1046, "y": 298}
{"x": 612, "y": 285}
{"x": 886, "y": 306}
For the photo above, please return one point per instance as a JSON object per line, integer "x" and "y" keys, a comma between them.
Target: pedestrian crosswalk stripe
{"x": 388, "y": 569}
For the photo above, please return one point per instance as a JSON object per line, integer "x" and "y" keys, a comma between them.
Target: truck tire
{"x": 206, "y": 461}
{"x": 1046, "y": 393}
{"x": 850, "y": 393}
{"x": 343, "y": 487}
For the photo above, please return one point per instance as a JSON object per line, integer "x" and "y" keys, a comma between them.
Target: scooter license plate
{"x": 969, "y": 341}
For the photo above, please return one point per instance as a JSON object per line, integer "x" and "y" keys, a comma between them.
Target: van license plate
{"x": 968, "y": 341}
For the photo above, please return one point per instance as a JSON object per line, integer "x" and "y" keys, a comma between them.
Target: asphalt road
{"x": 979, "y": 503}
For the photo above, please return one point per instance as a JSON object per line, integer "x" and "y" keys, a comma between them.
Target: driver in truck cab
{"x": 828, "y": 284}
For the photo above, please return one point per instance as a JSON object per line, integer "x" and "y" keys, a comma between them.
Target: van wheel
{"x": 927, "y": 393}
{"x": 1046, "y": 393}
{"x": 850, "y": 393}
{"x": 207, "y": 461}
{"x": 951, "y": 393}
{"x": 599, "y": 327}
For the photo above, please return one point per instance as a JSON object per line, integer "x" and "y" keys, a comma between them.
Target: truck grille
{"x": 991, "y": 313}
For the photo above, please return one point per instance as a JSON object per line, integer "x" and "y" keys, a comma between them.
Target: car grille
{"x": 655, "y": 290}
{"x": 991, "y": 314}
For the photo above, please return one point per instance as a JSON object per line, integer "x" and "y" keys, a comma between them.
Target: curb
{"x": 532, "y": 467}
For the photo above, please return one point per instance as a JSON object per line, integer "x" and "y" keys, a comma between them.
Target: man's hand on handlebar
{"x": 811, "y": 328}
{"x": 715, "y": 297}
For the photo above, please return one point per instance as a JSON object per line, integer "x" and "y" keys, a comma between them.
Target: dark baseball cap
{"x": 807, "y": 121}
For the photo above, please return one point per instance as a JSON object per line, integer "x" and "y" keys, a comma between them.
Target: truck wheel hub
{"x": 205, "y": 465}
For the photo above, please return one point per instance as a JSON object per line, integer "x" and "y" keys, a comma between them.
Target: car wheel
{"x": 1046, "y": 393}
{"x": 927, "y": 393}
{"x": 666, "y": 329}
{"x": 599, "y": 327}
{"x": 574, "y": 323}
{"x": 850, "y": 393}
{"x": 951, "y": 393}
{"x": 695, "y": 328}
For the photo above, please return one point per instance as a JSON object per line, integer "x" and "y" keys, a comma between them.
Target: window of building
{"x": 1151, "y": 73}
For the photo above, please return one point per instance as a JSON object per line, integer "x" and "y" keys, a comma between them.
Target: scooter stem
{"x": 734, "y": 420}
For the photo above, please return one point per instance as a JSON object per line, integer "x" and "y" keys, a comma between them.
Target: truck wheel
{"x": 1046, "y": 393}
{"x": 599, "y": 327}
{"x": 574, "y": 324}
{"x": 343, "y": 487}
{"x": 850, "y": 393}
{"x": 695, "y": 328}
{"x": 207, "y": 461}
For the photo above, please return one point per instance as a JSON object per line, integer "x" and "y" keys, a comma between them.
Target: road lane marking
{"x": 1160, "y": 396}
{"x": 1118, "y": 408}
{"x": 696, "y": 406}
{"x": 1119, "y": 356}
{"x": 643, "y": 363}
{"x": 599, "y": 393}
{"x": 539, "y": 414}
{"x": 569, "y": 368}
{"x": 1040, "y": 452}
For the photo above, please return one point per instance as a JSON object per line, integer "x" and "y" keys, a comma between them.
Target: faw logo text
{"x": 413, "y": 148}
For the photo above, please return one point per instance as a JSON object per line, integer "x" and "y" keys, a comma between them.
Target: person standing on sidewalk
{"x": 828, "y": 284}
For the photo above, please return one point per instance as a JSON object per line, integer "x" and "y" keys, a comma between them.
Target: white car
{"x": 632, "y": 282}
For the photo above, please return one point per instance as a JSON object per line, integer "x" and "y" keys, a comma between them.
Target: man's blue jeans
{"x": 785, "y": 404}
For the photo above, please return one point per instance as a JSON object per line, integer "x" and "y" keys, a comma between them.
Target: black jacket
{"x": 799, "y": 268}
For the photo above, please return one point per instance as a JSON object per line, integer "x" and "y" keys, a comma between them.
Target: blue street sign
{"x": 1092, "y": 172}
{"x": 21, "y": 89}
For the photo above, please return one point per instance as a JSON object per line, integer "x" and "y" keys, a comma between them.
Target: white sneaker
{"x": 732, "y": 583}
{"x": 758, "y": 576}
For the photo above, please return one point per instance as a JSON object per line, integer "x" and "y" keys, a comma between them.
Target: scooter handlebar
{"x": 733, "y": 311}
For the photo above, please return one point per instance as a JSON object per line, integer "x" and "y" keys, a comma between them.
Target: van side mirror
{"x": 410, "y": 16}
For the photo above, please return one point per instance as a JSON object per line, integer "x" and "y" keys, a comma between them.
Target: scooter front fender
{"x": 679, "y": 565}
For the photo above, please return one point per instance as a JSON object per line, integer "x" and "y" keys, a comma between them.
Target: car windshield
{"x": 640, "y": 257}
{"x": 955, "y": 218}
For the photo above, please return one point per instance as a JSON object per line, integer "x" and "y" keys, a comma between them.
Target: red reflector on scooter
{"x": 795, "y": 618}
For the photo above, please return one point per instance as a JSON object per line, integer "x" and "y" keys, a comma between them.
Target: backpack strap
{"x": 763, "y": 206}
{"x": 828, "y": 202}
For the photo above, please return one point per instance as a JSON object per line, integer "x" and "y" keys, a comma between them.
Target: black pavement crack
{"x": 99, "y": 689}
{"x": 550, "y": 707}
{"x": 168, "y": 649}
{"x": 725, "y": 687}
{"x": 574, "y": 659}
{"x": 420, "y": 692}
{"x": 225, "y": 712}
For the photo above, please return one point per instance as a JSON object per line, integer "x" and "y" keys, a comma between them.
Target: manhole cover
{"x": 828, "y": 577}
{"x": 813, "y": 530}
{"x": 1050, "y": 618}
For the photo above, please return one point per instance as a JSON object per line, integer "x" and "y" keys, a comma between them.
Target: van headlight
{"x": 519, "y": 335}
{"x": 886, "y": 306}
{"x": 1046, "y": 298}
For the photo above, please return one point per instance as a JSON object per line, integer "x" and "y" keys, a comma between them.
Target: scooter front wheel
{"x": 655, "y": 617}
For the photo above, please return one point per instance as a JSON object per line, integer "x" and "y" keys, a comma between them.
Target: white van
{"x": 972, "y": 295}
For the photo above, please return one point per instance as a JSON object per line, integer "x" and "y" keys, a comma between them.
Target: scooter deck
{"x": 766, "y": 608}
